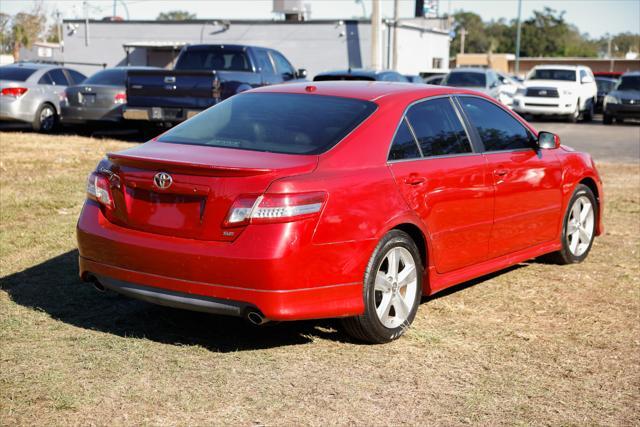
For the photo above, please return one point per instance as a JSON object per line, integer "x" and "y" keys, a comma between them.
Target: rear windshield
{"x": 341, "y": 77}
{"x": 274, "y": 122}
{"x": 605, "y": 85}
{"x": 465, "y": 80}
{"x": 552, "y": 74}
{"x": 107, "y": 77}
{"x": 17, "y": 74}
{"x": 629, "y": 83}
{"x": 213, "y": 59}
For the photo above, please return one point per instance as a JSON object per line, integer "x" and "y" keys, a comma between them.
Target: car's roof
{"x": 359, "y": 72}
{"x": 365, "y": 90}
{"x": 631, "y": 73}
{"x": 607, "y": 79}
{"x": 470, "y": 70}
{"x": 33, "y": 65}
{"x": 559, "y": 67}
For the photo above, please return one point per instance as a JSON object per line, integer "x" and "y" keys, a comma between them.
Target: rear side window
{"x": 438, "y": 129}
{"x": 462, "y": 79}
{"x": 404, "y": 145}
{"x": 274, "y": 122}
{"x": 113, "y": 77}
{"x": 498, "y": 129}
{"x": 213, "y": 59}
{"x": 76, "y": 76}
{"x": 58, "y": 77}
{"x": 17, "y": 74}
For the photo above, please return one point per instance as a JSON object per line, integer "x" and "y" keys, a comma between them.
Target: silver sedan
{"x": 31, "y": 92}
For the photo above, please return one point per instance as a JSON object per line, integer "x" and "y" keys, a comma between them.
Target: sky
{"x": 596, "y": 17}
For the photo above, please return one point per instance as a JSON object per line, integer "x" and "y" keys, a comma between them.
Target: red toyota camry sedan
{"x": 335, "y": 199}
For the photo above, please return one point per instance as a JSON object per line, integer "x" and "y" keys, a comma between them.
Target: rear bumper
{"x": 15, "y": 110}
{"x": 273, "y": 267}
{"x": 159, "y": 114}
{"x": 78, "y": 115}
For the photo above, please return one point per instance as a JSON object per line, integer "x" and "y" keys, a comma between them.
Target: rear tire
{"x": 392, "y": 290}
{"x": 46, "y": 119}
{"x": 578, "y": 227}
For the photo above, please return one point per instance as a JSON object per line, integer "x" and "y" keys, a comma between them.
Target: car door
{"x": 265, "y": 64}
{"x": 56, "y": 82}
{"x": 527, "y": 181}
{"x": 445, "y": 182}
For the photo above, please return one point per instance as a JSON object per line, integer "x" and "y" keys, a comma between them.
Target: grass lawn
{"x": 537, "y": 344}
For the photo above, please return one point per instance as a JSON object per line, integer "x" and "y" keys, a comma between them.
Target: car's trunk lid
{"x": 204, "y": 182}
{"x": 93, "y": 96}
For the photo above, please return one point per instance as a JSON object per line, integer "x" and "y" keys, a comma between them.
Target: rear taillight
{"x": 120, "y": 98}
{"x": 270, "y": 208}
{"x": 13, "y": 91}
{"x": 99, "y": 189}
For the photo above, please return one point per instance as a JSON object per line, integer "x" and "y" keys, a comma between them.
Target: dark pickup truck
{"x": 203, "y": 76}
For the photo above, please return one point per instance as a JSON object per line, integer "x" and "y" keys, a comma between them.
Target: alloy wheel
{"x": 395, "y": 287}
{"x": 47, "y": 118}
{"x": 580, "y": 226}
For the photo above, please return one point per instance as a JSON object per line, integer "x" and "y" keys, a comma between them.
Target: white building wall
{"x": 417, "y": 49}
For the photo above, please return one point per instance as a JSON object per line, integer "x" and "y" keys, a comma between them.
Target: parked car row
{"x": 47, "y": 95}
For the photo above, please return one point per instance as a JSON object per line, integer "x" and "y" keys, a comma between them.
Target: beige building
{"x": 505, "y": 62}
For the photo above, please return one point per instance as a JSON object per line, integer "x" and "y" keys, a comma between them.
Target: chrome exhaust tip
{"x": 256, "y": 318}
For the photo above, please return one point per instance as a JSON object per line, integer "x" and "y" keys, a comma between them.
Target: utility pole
{"x": 396, "y": 16}
{"x": 609, "y": 53}
{"x": 518, "y": 30}
{"x": 58, "y": 26}
{"x": 375, "y": 34}
{"x": 85, "y": 7}
{"x": 114, "y": 8}
{"x": 463, "y": 34}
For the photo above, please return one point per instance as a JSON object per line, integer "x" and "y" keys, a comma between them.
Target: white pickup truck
{"x": 558, "y": 90}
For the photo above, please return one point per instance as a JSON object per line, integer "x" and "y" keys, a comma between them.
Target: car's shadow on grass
{"x": 53, "y": 287}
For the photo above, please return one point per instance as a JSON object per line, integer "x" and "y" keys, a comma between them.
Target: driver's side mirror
{"x": 586, "y": 79}
{"x": 495, "y": 84}
{"x": 301, "y": 73}
{"x": 548, "y": 140}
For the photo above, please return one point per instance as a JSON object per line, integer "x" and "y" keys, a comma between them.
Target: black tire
{"x": 575, "y": 116}
{"x": 565, "y": 256}
{"x": 607, "y": 119}
{"x": 619, "y": 120}
{"x": 368, "y": 327}
{"x": 587, "y": 116}
{"x": 43, "y": 122}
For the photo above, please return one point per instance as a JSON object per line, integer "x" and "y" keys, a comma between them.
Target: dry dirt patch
{"x": 538, "y": 344}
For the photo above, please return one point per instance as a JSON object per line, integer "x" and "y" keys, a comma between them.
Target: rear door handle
{"x": 414, "y": 180}
{"x": 501, "y": 172}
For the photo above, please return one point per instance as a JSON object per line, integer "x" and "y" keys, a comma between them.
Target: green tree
{"x": 476, "y": 40}
{"x": 26, "y": 28}
{"x": 5, "y": 33}
{"x": 175, "y": 15}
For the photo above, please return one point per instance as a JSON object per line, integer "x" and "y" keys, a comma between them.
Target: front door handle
{"x": 414, "y": 180}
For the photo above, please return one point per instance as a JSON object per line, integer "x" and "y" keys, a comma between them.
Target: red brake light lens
{"x": 99, "y": 189}
{"x": 270, "y": 208}
{"x": 120, "y": 98}
{"x": 13, "y": 91}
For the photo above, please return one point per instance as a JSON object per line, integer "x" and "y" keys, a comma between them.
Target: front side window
{"x": 282, "y": 65}
{"x": 438, "y": 129}
{"x": 264, "y": 62}
{"x": 498, "y": 129}
{"x": 274, "y": 122}
{"x": 404, "y": 145}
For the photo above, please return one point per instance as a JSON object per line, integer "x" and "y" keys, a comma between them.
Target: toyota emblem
{"x": 163, "y": 180}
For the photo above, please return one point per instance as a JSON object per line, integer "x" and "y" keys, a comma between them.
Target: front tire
{"x": 587, "y": 116}
{"x": 579, "y": 226}
{"x": 573, "y": 117}
{"x": 607, "y": 119}
{"x": 392, "y": 290}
